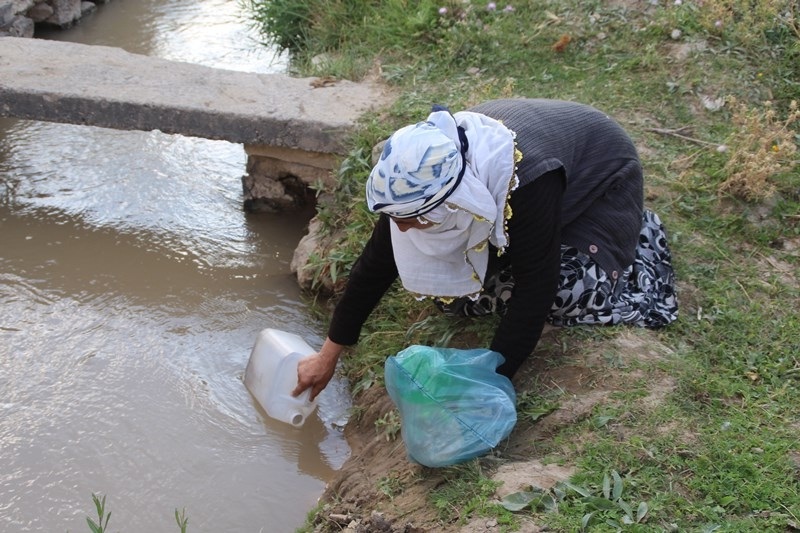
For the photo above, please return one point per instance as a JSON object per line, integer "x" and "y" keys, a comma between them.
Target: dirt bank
{"x": 584, "y": 373}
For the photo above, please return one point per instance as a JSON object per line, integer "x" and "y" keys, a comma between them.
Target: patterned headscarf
{"x": 458, "y": 170}
{"x": 418, "y": 169}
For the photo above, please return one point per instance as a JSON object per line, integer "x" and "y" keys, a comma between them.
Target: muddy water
{"x": 132, "y": 286}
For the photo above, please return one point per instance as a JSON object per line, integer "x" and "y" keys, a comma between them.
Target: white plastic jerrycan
{"x": 271, "y": 376}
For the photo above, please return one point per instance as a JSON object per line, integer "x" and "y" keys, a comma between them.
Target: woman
{"x": 530, "y": 208}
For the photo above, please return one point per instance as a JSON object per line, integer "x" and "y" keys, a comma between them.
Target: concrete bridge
{"x": 294, "y": 129}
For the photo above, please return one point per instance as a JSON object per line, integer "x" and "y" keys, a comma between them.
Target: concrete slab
{"x": 108, "y": 87}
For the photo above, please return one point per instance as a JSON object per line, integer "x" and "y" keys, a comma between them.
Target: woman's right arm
{"x": 371, "y": 276}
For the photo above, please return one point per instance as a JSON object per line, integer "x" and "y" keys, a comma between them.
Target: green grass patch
{"x": 719, "y": 449}
{"x": 467, "y": 492}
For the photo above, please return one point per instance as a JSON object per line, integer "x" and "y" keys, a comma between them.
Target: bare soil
{"x": 585, "y": 373}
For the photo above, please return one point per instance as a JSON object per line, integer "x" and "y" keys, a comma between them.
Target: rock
{"x": 18, "y": 18}
{"x": 87, "y": 7}
{"x": 21, "y": 5}
{"x": 65, "y": 13}
{"x": 266, "y": 196}
{"x": 308, "y": 246}
{"x": 10, "y": 9}
{"x": 13, "y": 21}
{"x": 314, "y": 243}
{"x": 339, "y": 518}
{"x": 19, "y": 27}
{"x": 7, "y": 16}
{"x": 40, "y": 12}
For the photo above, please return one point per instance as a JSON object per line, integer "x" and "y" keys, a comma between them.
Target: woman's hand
{"x": 315, "y": 371}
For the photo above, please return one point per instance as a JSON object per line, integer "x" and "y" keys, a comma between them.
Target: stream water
{"x": 132, "y": 287}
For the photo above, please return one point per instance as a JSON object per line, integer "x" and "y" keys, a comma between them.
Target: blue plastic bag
{"x": 453, "y": 404}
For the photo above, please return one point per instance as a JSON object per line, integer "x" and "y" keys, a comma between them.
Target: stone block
{"x": 273, "y": 168}
{"x": 320, "y": 160}
{"x": 295, "y": 130}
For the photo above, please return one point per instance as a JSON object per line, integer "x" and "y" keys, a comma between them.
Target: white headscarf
{"x": 449, "y": 259}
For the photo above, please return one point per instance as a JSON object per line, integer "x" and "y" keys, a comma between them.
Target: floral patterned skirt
{"x": 643, "y": 295}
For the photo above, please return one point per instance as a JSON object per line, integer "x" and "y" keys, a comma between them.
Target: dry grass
{"x": 762, "y": 147}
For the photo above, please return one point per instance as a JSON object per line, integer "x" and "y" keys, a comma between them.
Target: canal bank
{"x": 694, "y": 426}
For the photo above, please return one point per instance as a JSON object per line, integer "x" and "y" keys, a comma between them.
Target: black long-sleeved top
{"x": 534, "y": 254}
{"x": 581, "y": 184}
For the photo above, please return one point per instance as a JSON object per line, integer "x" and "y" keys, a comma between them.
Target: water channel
{"x": 132, "y": 287}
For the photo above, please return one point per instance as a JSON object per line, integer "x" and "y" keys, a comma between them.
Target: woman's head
{"x": 418, "y": 169}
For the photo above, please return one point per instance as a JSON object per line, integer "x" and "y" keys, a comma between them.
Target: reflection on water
{"x": 215, "y": 33}
{"x": 132, "y": 287}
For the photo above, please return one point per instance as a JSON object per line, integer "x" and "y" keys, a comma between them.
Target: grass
{"x": 466, "y": 491}
{"x": 706, "y": 90}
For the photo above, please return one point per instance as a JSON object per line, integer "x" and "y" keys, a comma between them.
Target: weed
{"x": 390, "y": 486}
{"x": 388, "y": 426}
{"x": 101, "y": 526}
{"x": 532, "y": 406}
{"x": 182, "y": 520}
{"x": 285, "y": 24}
{"x": 747, "y": 23}
{"x": 607, "y": 506}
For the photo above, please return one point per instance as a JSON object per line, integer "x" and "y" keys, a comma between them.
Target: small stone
{"x": 40, "y": 12}
{"x": 676, "y": 34}
{"x": 711, "y": 103}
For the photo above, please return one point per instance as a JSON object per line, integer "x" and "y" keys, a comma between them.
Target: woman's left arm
{"x": 534, "y": 231}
